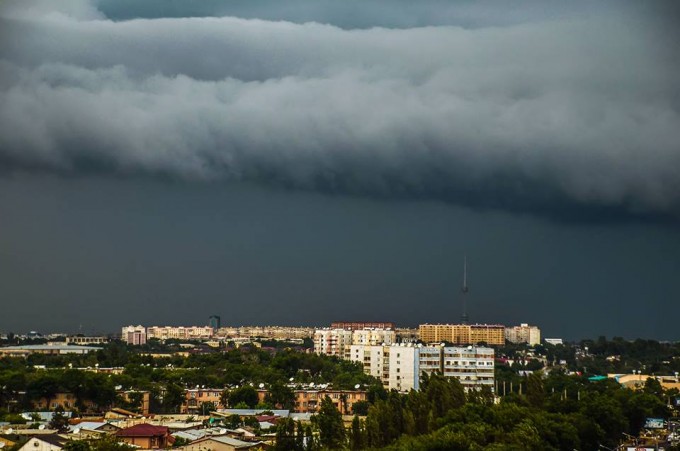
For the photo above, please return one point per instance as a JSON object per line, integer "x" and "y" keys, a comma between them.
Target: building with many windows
{"x": 400, "y": 367}
{"x": 356, "y": 325}
{"x": 179, "y": 332}
{"x": 134, "y": 335}
{"x": 523, "y": 333}
{"x": 332, "y": 341}
{"x": 463, "y": 334}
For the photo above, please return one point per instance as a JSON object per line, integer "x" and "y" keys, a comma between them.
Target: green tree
{"x": 245, "y": 394}
{"x": 285, "y": 435}
{"x": 331, "y": 427}
{"x": 59, "y": 421}
{"x": 535, "y": 390}
{"x": 357, "y": 439}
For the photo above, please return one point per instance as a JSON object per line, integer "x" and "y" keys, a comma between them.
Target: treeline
{"x": 22, "y": 383}
{"x": 558, "y": 412}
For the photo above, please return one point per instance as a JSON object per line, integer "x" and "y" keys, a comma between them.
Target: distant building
{"x": 196, "y": 400}
{"x": 523, "y": 333}
{"x": 463, "y": 334}
{"x": 222, "y": 443}
{"x": 134, "y": 335}
{"x": 554, "y": 341}
{"x": 373, "y": 337}
{"x": 354, "y": 325}
{"x": 215, "y": 322}
{"x": 82, "y": 340}
{"x": 179, "y": 332}
{"x": 50, "y": 349}
{"x": 332, "y": 342}
{"x": 400, "y": 367}
{"x": 270, "y": 332}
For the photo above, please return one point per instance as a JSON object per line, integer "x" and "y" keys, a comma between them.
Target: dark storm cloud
{"x": 561, "y": 118}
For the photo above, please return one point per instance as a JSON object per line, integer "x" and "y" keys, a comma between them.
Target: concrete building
{"x": 82, "y": 340}
{"x": 133, "y": 335}
{"x": 400, "y": 367}
{"x": 273, "y": 332}
{"x": 308, "y": 400}
{"x": 523, "y": 333}
{"x": 374, "y": 337}
{"x": 198, "y": 399}
{"x": 463, "y": 334}
{"x": 49, "y": 348}
{"x": 179, "y": 332}
{"x": 332, "y": 341}
{"x": 354, "y": 325}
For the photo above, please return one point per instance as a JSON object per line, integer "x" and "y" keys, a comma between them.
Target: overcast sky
{"x": 300, "y": 162}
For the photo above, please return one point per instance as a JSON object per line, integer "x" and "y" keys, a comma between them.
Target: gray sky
{"x": 300, "y": 162}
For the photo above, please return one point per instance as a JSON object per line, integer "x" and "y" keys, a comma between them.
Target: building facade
{"x": 134, "y": 335}
{"x": 374, "y": 337}
{"x": 400, "y": 367}
{"x": 463, "y": 334}
{"x": 179, "y": 332}
{"x": 523, "y": 333}
{"x": 333, "y": 342}
{"x": 355, "y": 325}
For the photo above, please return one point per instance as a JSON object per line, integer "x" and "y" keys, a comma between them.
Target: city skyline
{"x": 313, "y": 162}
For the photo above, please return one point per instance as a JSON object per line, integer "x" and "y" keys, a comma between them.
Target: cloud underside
{"x": 562, "y": 119}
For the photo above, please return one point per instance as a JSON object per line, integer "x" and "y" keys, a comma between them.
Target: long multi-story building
{"x": 374, "y": 337}
{"x": 356, "y": 325}
{"x": 334, "y": 342}
{"x": 273, "y": 332}
{"x": 463, "y": 334}
{"x": 134, "y": 335}
{"x": 179, "y": 332}
{"x": 400, "y": 367}
{"x": 524, "y": 333}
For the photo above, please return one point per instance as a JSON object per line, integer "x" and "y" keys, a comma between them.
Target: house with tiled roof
{"x": 146, "y": 436}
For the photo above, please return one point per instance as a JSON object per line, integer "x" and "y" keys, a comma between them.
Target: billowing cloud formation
{"x": 555, "y": 117}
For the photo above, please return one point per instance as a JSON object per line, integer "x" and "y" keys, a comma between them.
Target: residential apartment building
{"x": 463, "y": 334}
{"x": 134, "y": 335}
{"x": 354, "y": 325}
{"x": 523, "y": 333}
{"x": 179, "y": 332}
{"x": 374, "y": 337}
{"x": 196, "y": 400}
{"x": 332, "y": 341}
{"x": 308, "y": 400}
{"x": 82, "y": 340}
{"x": 400, "y": 367}
{"x": 273, "y": 332}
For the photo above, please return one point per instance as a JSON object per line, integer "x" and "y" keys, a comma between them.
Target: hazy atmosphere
{"x": 301, "y": 162}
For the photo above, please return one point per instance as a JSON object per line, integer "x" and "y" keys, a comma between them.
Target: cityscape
{"x": 339, "y": 225}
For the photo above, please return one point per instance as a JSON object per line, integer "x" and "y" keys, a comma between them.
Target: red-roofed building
{"x": 146, "y": 436}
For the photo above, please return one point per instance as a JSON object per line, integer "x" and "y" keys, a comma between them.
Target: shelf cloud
{"x": 567, "y": 118}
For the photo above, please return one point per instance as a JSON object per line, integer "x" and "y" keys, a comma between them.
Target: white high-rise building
{"x": 523, "y": 333}
{"x": 332, "y": 342}
{"x": 400, "y": 367}
{"x": 133, "y": 335}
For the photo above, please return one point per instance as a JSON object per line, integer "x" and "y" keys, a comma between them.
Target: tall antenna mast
{"x": 464, "y": 289}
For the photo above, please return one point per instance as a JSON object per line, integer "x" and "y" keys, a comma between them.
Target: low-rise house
{"x": 146, "y": 436}
{"x": 222, "y": 443}
{"x": 48, "y": 442}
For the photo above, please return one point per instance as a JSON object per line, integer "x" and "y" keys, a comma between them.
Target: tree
{"x": 59, "y": 421}
{"x": 331, "y": 427}
{"x": 356, "y": 439}
{"x": 535, "y": 390}
{"x": 285, "y": 435}
{"x": 245, "y": 394}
